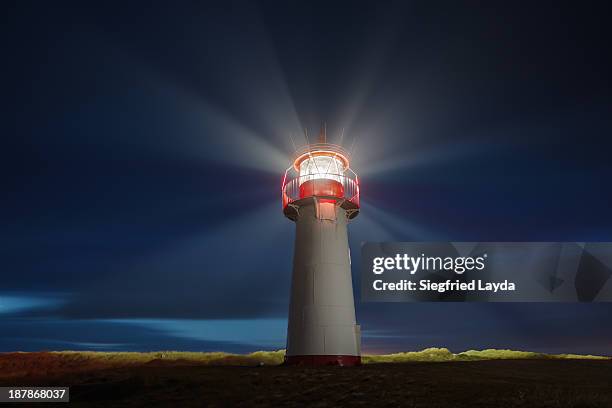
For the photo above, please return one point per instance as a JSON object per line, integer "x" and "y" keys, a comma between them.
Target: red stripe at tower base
{"x": 342, "y": 361}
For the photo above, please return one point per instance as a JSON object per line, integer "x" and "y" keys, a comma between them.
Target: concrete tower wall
{"x": 322, "y": 311}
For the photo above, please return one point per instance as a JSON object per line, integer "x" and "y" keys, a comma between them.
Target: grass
{"x": 207, "y": 358}
{"x": 277, "y": 357}
{"x": 444, "y": 354}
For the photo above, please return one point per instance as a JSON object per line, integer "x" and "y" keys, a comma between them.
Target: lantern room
{"x": 320, "y": 172}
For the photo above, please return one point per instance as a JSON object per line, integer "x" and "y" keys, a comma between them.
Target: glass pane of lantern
{"x": 321, "y": 167}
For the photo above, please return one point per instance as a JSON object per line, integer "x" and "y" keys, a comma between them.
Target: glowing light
{"x": 321, "y": 167}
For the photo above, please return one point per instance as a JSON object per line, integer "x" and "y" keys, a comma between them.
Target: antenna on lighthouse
{"x": 323, "y": 133}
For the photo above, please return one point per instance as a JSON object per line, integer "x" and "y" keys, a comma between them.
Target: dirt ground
{"x": 500, "y": 383}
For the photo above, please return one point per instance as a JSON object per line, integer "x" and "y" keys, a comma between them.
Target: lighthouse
{"x": 320, "y": 193}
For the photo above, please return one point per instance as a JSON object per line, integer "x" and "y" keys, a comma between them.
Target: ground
{"x": 185, "y": 383}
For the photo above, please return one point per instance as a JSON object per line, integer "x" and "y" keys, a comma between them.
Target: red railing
{"x": 349, "y": 181}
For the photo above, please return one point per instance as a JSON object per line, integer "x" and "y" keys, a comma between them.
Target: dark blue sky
{"x": 144, "y": 145}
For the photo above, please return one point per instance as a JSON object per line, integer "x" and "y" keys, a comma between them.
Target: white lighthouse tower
{"x": 321, "y": 194}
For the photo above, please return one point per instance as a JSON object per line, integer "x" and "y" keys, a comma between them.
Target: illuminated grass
{"x": 205, "y": 358}
{"x": 443, "y": 354}
{"x": 277, "y": 357}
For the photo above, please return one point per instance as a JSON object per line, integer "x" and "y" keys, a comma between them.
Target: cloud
{"x": 36, "y": 334}
{"x": 11, "y": 304}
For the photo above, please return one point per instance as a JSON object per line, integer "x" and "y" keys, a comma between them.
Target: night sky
{"x": 144, "y": 146}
